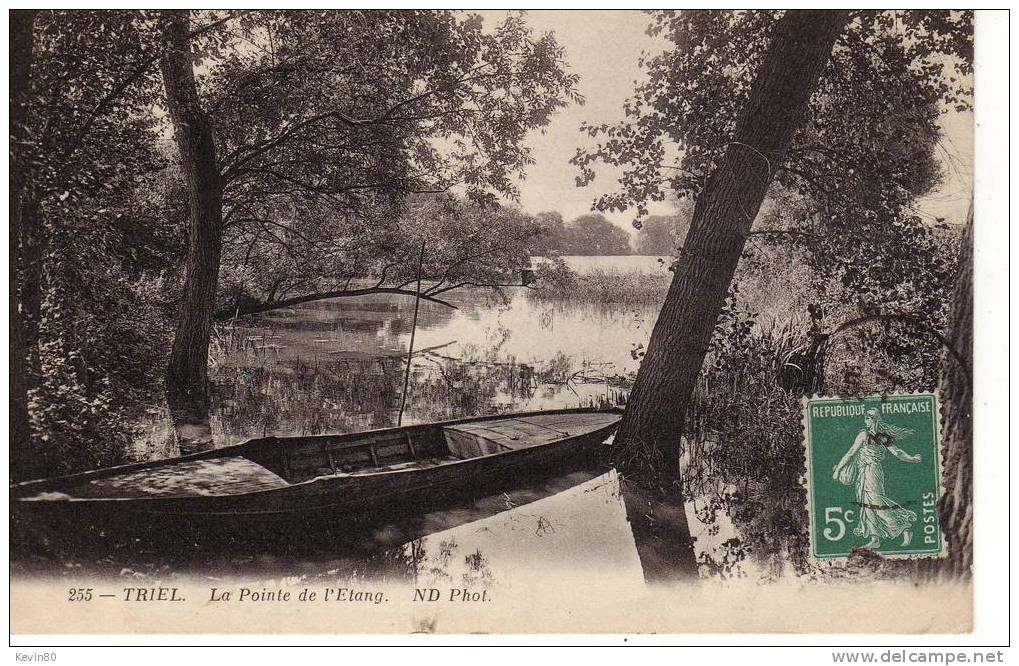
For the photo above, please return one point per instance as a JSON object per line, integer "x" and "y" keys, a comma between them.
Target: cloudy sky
{"x": 603, "y": 47}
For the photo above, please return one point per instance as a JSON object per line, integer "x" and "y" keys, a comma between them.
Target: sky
{"x": 604, "y": 47}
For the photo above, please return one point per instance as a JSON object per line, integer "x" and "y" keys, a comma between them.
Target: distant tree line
{"x": 595, "y": 235}
{"x": 662, "y": 235}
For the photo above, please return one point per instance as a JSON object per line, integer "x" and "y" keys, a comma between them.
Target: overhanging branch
{"x": 258, "y": 308}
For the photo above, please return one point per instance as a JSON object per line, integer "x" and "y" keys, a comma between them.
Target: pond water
{"x": 338, "y": 366}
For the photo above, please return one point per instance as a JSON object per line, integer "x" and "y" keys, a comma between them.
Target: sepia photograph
{"x": 420, "y": 321}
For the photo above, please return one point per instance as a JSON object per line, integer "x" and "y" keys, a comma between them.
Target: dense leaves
{"x": 585, "y": 235}
{"x": 334, "y": 118}
{"x": 848, "y": 189}
{"x": 871, "y": 307}
{"x": 86, "y": 244}
{"x": 327, "y": 125}
{"x": 882, "y": 84}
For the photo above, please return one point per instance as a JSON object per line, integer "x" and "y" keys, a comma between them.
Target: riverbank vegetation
{"x": 303, "y": 164}
{"x": 184, "y": 183}
{"x": 556, "y": 281}
{"x": 824, "y": 152}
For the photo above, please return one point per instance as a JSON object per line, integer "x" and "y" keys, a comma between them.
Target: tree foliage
{"x": 326, "y": 118}
{"x": 589, "y": 235}
{"x": 466, "y": 244}
{"x": 845, "y": 196}
{"x": 848, "y": 188}
{"x": 871, "y": 125}
{"x": 327, "y": 125}
{"x": 867, "y": 152}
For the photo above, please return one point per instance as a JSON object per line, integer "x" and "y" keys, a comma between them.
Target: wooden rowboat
{"x": 309, "y": 479}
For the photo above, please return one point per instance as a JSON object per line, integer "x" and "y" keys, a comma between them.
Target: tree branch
{"x": 118, "y": 90}
{"x": 225, "y": 314}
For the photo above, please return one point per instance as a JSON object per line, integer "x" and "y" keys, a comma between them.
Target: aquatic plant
{"x": 557, "y": 282}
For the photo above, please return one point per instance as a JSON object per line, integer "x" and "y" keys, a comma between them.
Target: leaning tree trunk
{"x": 21, "y": 23}
{"x": 649, "y": 435}
{"x": 957, "y": 419}
{"x": 187, "y": 374}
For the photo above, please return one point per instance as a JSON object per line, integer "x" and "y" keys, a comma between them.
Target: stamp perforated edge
{"x": 938, "y": 454}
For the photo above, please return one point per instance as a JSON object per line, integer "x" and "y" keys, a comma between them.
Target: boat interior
{"x": 271, "y": 463}
{"x": 421, "y": 446}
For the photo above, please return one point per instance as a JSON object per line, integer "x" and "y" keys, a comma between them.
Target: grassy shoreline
{"x": 560, "y": 283}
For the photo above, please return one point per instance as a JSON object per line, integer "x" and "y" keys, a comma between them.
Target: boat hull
{"x": 336, "y": 500}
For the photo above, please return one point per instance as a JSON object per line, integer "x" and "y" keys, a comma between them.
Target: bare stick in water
{"x": 413, "y": 330}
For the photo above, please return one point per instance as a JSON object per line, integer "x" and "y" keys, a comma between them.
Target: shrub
{"x": 94, "y": 372}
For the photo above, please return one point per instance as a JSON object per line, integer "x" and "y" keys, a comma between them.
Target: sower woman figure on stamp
{"x": 880, "y": 517}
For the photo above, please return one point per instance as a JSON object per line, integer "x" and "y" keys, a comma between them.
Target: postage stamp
{"x": 874, "y": 475}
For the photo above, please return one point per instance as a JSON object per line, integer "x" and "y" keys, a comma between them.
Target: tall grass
{"x": 260, "y": 387}
{"x": 600, "y": 285}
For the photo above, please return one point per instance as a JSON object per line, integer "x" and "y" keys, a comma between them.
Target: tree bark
{"x": 957, "y": 419}
{"x": 187, "y": 373}
{"x": 649, "y": 434}
{"x": 21, "y": 54}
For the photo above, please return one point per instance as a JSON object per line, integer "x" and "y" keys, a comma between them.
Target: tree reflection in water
{"x": 574, "y": 523}
{"x": 310, "y": 372}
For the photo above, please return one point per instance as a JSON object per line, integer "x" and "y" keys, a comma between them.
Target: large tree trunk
{"x": 21, "y": 23}
{"x": 649, "y": 435}
{"x": 187, "y": 374}
{"x": 957, "y": 419}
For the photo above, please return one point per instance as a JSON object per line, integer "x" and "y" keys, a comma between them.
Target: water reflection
{"x": 574, "y": 522}
{"x": 581, "y": 528}
{"x": 337, "y": 366}
{"x": 661, "y": 534}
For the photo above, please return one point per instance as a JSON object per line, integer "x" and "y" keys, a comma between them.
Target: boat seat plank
{"x": 215, "y": 476}
{"x": 465, "y": 444}
{"x": 565, "y": 422}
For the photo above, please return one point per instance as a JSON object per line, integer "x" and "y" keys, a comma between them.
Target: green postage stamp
{"x": 874, "y": 475}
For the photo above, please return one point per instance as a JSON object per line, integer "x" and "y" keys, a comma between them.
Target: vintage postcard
{"x": 416, "y": 321}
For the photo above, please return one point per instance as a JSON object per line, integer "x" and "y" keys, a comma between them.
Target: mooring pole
{"x": 413, "y": 330}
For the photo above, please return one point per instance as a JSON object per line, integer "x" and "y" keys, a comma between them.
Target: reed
{"x": 262, "y": 386}
{"x": 602, "y": 286}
